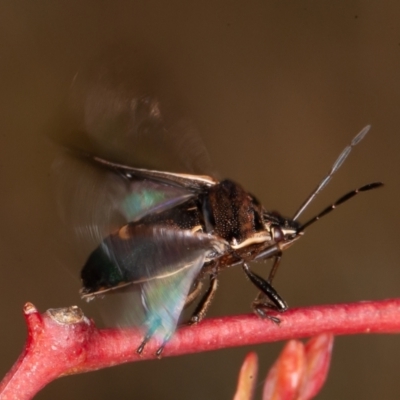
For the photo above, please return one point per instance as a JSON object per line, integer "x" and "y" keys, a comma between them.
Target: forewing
{"x": 155, "y": 268}
{"x": 188, "y": 181}
{"x": 163, "y": 299}
{"x": 95, "y": 202}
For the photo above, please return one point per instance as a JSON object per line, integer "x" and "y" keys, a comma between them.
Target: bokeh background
{"x": 277, "y": 89}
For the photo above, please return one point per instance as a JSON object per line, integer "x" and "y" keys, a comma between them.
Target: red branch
{"x": 63, "y": 341}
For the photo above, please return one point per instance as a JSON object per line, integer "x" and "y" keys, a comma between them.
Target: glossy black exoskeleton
{"x": 183, "y": 229}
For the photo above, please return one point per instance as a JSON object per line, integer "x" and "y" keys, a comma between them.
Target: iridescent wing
{"x": 97, "y": 201}
{"x": 156, "y": 264}
{"x": 149, "y": 269}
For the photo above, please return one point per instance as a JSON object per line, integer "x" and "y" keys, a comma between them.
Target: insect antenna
{"x": 337, "y": 164}
{"x": 342, "y": 200}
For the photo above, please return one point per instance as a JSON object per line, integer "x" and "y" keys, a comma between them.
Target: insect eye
{"x": 277, "y": 234}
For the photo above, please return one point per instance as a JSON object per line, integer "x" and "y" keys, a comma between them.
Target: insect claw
{"x": 144, "y": 342}
{"x": 141, "y": 347}
{"x": 260, "y": 309}
{"x": 161, "y": 348}
{"x": 262, "y": 314}
{"x": 194, "y": 320}
{"x": 275, "y": 320}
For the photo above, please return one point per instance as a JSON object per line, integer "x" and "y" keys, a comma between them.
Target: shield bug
{"x": 188, "y": 228}
{"x": 177, "y": 230}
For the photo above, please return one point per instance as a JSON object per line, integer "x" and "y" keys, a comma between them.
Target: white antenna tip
{"x": 360, "y": 136}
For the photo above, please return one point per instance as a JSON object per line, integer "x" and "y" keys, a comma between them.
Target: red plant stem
{"x": 63, "y": 342}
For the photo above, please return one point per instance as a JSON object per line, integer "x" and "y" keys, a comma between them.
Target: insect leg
{"x": 161, "y": 348}
{"x": 261, "y": 296}
{"x": 277, "y": 260}
{"x": 192, "y": 296}
{"x": 205, "y": 302}
{"x": 148, "y": 336}
{"x": 197, "y": 316}
{"x": 145, "y": 340}
{"x": 274, "y": 301}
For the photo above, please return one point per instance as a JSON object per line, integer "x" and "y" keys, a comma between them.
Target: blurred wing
{"x": 98, "y": 201}
{"x": 158, "y": 263}
{"x": 112, "y": 113}
{"x": 164, "y": 299}
{"x": 154, "y": 305}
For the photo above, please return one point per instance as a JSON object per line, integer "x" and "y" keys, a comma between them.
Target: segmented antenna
{"x": 347, "y": 196}
{"x": 337, "y": 164}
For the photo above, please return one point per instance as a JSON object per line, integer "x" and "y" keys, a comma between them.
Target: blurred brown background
{"x": 277, "y": 89}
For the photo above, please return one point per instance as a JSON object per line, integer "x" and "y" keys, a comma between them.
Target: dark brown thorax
{"x": 231, "y": 212}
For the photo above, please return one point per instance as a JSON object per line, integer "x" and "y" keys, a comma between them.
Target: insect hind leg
{"x": 192, "y": 296}
{"x": 274, "y": 269}
{"x": 205, "y": 302}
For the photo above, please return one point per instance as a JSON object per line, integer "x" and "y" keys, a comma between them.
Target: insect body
{"x": 184, "y": 229}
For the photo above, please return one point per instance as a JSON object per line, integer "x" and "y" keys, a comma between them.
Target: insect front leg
{"x": 205, "y": 302}
{"x": 274, "y": 269}
{"x": 272, "y": 300}
{"x": 261, "y": 298}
